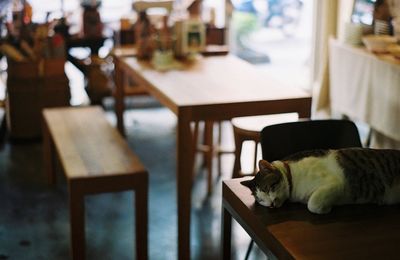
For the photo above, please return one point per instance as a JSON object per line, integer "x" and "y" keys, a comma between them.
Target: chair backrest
{"x": 281, "y": 140}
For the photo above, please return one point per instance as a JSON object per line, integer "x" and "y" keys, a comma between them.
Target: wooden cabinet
{"x": 31, "y": 86}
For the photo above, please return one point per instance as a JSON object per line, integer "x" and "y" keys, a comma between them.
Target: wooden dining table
{"x": 212, "y": 88}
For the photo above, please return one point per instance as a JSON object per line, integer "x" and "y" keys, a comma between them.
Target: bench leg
{"x": 48, "y": 156}
{"x": 77, "y": 223}
{"x": 141, "y": 219}
{"x": 226, "y": 234}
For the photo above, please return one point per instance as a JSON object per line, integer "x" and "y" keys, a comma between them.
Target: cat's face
{"x": 268, "y": 186}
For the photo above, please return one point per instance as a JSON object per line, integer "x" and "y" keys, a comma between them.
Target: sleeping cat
{"x": 323, "y": 178}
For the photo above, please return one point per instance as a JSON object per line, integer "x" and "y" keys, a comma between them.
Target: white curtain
{"x": 325, "y": 26}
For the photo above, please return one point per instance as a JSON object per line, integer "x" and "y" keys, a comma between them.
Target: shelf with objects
{"x": 36, "y": 79}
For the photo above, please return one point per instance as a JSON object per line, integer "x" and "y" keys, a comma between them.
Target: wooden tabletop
{"x": 348, "y": 232}
{"x": 213, "y": 80}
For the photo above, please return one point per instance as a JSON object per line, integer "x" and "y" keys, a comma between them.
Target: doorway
{"x": 276, "y": 36}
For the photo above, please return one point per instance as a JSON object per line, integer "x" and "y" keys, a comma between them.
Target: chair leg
{"x": 238, "y": 151}
{"x": 219, "y": 152}
{"x": 209, "y": 149}
{"x": 255, "y": 158}
{"x": 249, "y": 249}
{"x": 208, "y": 128}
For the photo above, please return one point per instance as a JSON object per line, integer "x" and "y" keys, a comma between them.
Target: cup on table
{"x": 352, "y": 33}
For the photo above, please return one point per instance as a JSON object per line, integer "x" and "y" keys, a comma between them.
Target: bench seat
{"x": 95, "y": 158}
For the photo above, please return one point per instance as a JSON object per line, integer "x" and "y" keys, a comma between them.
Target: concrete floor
{"x": 34, "y": 220}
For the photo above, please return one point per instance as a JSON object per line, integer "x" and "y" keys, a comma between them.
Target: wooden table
{"x": 212, "y": 88}
{"x": 292, "y": 232}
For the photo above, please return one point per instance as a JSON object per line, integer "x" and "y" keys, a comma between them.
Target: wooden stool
{"x": 95, "y": 159}
{"x": 248, "y": 129}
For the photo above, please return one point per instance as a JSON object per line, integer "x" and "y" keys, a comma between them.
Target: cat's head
{"x": 269, "y": 186}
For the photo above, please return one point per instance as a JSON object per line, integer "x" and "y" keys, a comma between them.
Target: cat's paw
{"x": 322, "y": 199}
{"x": 319, "y": 209}
{"x": 319, "y": 203}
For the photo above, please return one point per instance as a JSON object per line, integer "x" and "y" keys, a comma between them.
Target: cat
{"x": 324, "y": 178}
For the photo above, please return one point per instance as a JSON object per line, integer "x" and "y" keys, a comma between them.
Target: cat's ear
{"x": 264, "y": 165}
{"x": 251, "y": 184}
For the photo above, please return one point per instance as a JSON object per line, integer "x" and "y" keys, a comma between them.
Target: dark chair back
{"x": 281, "y": 140}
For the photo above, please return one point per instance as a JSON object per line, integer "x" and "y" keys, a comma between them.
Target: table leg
{"x": 226, "y": 232}
{"x": 195, "y": 136}
{"x": 77, "y": 222}
{"x": 184, "y": 184}
{"x": 119, "y": 97}
{"x": 141, "y": 218}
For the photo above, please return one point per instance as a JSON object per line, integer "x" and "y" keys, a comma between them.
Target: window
{"x": 275, "y": 35}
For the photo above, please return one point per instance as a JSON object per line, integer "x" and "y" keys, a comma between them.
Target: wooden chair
{"x": 281, "y": 140}
{"x": 278, "y": 141}
{"x": 244, "y": 129}
{"x": 248, "y": 129}
{"x": 208, "y": 148}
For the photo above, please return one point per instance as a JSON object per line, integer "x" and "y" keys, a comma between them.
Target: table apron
{"x": 228, "y": 111}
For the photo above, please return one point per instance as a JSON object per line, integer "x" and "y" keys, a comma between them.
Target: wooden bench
{"x": 95, "y": 159}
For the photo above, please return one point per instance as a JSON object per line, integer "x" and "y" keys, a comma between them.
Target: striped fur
{"x": 369, "y": 172}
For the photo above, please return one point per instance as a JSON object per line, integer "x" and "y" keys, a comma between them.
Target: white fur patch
{"x": 263, "y": 198}
{"x": 313, "y": 172}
